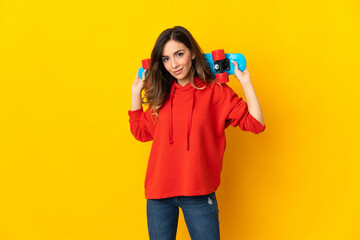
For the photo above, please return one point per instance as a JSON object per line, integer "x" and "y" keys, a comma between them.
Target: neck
{"x": 183, "y": 82}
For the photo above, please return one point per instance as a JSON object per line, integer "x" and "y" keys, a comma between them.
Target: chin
{"x": 180, "y": 77}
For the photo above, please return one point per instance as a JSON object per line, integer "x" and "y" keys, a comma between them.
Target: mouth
{"x": 178, "y": 72}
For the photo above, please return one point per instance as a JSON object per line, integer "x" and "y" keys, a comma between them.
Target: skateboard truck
{"x": 221, "y": 65}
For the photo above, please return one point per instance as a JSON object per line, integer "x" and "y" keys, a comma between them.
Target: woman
{"x": 186, "y": 119}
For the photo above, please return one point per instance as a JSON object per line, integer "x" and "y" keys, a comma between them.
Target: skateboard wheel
{"x": 222, "y": 77}
{"x": 146, "y": 63}
{"x": 218, "y": 55}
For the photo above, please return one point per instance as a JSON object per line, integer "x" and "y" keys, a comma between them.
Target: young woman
{"x": 186, "y": 119}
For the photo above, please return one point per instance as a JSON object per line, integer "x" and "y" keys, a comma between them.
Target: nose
{"x": 173, "y": 63}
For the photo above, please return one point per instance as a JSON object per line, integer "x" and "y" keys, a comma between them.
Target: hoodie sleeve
{"x": 236, "y": 112}
{"x": 142, "y": 126}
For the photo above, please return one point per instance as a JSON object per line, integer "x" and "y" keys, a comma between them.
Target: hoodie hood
{"x": 191, "y": 90}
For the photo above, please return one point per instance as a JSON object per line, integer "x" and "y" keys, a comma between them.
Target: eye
{"x": 165, "y": 59}
{"x": 180, "y": 54}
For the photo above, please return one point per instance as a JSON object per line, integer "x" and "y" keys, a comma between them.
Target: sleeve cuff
{"x": 258, "y": 126}
{"x": 136, "y": 113}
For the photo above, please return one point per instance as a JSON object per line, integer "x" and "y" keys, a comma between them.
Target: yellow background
{"x": 70, "y": 168}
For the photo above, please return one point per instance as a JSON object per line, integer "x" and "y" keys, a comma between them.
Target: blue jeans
{"x": 201, "y": 215}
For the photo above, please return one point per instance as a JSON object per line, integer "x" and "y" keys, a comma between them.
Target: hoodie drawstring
{"x": 190, "y": 119}
{"x": 171, "y": 140}
{"x": 172, "y": 91}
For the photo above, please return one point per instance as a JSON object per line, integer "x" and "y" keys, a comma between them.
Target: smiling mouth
{"x": 178, "y": 72}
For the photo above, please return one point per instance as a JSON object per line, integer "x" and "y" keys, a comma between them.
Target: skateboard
{"x": 219, "y": 63}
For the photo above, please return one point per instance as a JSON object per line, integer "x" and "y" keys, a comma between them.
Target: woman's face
{"x": 176, "y": 58}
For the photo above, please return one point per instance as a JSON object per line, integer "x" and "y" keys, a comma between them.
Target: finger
{"x": 143, "y": 74}
{"x": 137, "y": 73}
{"x": 235, "y": 64}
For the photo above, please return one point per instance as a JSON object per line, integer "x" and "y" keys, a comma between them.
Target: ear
{"x": 193, "y": 57}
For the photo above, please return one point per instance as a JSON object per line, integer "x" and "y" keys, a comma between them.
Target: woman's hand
{"x": 243, "y": 77}
{"x": 136, "y": 88}
{"x": 249, "y": 92}
{"x": 138, "y": 84}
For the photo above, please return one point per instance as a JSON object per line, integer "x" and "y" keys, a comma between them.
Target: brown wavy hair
{"x": 158, "y": 81}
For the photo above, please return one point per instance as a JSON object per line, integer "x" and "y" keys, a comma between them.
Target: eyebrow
{"x": 175, "y": 52}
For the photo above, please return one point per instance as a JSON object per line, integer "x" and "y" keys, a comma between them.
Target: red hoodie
{"x": 189, "y": 138}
